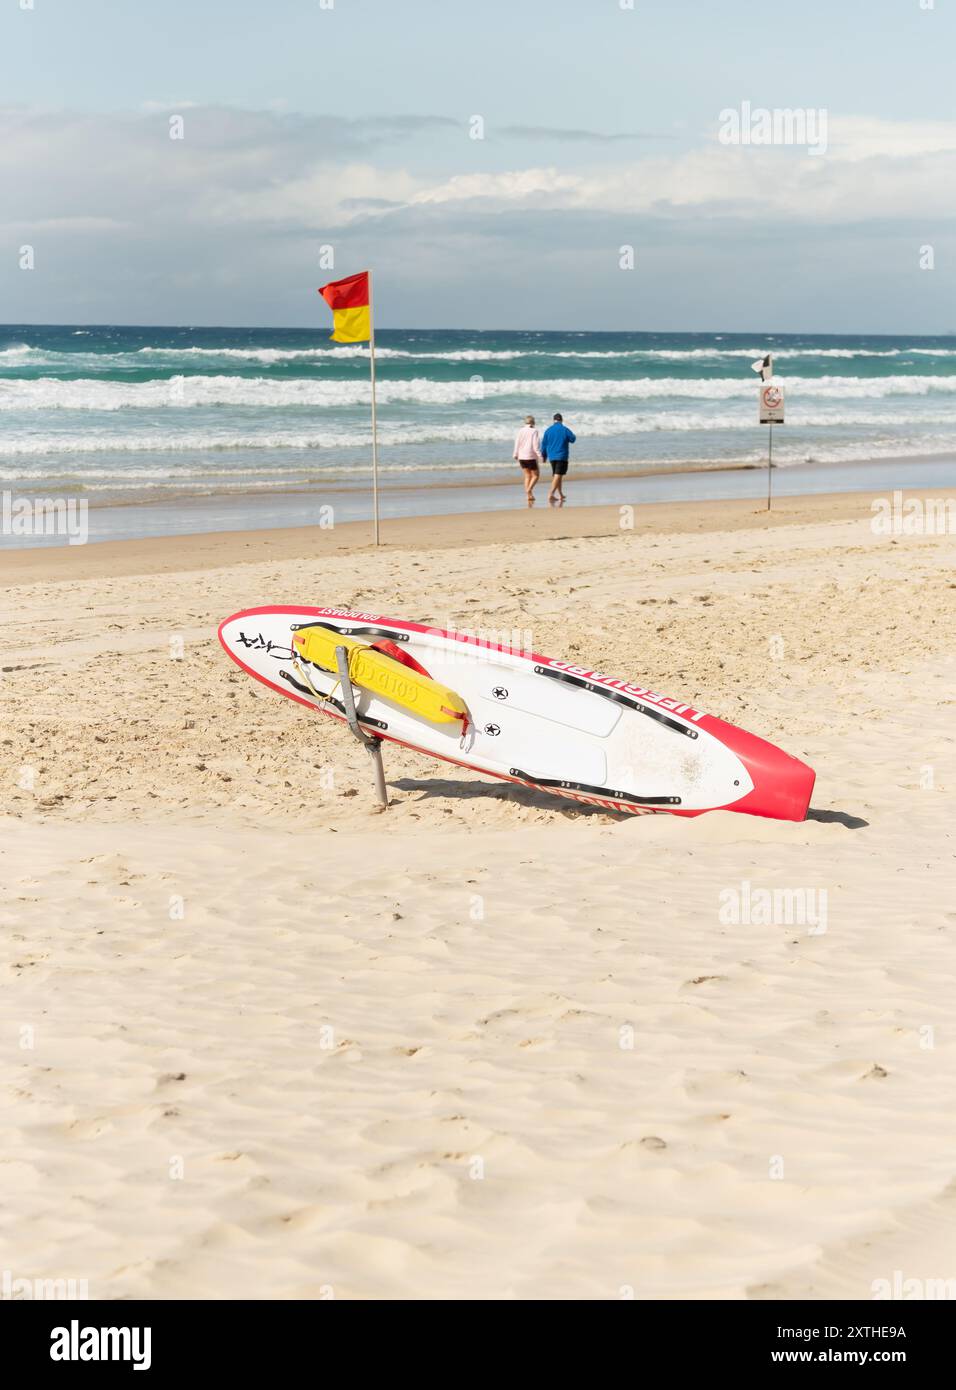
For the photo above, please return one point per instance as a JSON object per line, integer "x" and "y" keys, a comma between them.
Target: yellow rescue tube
{"x": 372, "y": 670}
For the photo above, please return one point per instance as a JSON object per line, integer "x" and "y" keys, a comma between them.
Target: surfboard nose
{"x": 782, "y": 784}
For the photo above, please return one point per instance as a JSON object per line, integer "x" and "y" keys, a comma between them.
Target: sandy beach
{"x": 263, "y": 1042}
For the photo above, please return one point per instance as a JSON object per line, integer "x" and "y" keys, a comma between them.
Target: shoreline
{"x": 204, "y": 551}
{"x": 600, "y": 472}
{"x": 493, "y": 476}
{"x": 314, "y": 511}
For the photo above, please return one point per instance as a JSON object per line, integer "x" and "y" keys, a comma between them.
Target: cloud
{"x": 278, "y": 169}
{"x": 511, "y": 186}
{"x": 873, "y": 169}
{"x": 225, "y": 225}
{"x": 720, "y": 182}
{"x": 541, "y": 132}
{"x": 853, "y": 138}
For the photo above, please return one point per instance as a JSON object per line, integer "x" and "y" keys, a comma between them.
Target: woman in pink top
{"x": 528, "y": 453}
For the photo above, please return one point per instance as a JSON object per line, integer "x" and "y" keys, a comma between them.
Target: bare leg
{"x": 531, "y": 476}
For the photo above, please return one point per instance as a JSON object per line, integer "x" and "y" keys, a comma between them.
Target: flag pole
{"x": 770, "y": 466}
{"x": 371, "y": 345}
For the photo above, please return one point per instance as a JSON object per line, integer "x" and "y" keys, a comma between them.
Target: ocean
{"x": 256, "y": 426}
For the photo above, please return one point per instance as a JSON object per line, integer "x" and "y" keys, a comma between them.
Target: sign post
{"x": 771, "y": 412}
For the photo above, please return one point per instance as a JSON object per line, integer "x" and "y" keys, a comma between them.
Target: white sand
{"x": 387, "y": 1050}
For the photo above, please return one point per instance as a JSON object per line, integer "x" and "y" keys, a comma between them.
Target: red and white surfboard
{"x": 537, "y": 721}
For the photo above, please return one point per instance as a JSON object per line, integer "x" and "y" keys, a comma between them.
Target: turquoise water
{"x": 141, "y": 415}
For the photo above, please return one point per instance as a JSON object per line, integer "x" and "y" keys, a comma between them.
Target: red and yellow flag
{"x": 351, "y": 313}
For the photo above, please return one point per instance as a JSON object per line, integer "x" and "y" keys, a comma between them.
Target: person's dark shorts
{"x": 559, "y": 467}
{"x": 528, "y": 463}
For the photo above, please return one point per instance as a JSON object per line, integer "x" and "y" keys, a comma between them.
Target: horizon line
{"x": 656, "y": 332}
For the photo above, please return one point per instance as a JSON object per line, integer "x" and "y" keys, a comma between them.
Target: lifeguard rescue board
{"x": 533, "y": 720}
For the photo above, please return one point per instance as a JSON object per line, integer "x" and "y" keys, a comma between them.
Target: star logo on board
{"x": 492, "y": 730}
{"x": 500, "y": 693}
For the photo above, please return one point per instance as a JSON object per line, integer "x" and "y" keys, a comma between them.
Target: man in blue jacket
{"x": 554, "y": 450}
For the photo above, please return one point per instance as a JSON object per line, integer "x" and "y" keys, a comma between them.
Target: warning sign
{"x": 771, "y": 403}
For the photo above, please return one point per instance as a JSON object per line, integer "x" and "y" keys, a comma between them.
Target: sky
{"x": 608, "y": 188}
